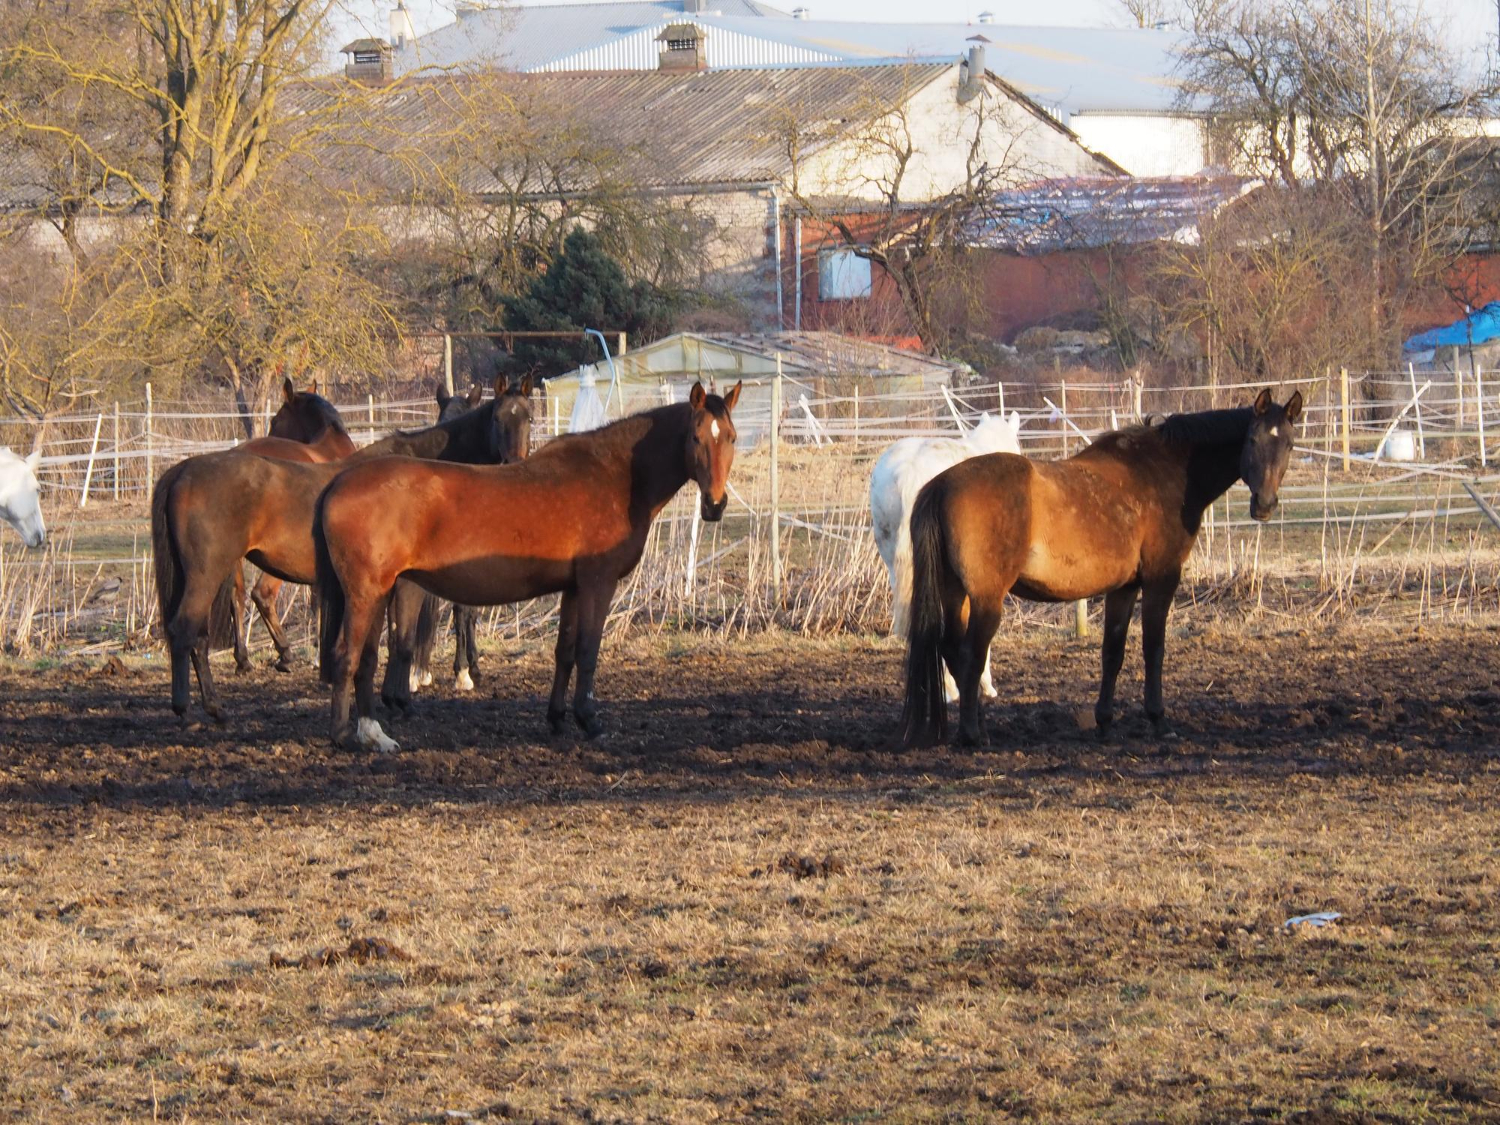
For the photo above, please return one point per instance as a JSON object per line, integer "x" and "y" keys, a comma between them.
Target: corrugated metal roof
{"x": 1067, "y": 69}
{"x": 1086, "y": 213}
{"x": 519, "y": 37}
{"x": 697, "y": 128}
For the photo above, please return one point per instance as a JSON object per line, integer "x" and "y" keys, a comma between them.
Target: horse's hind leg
{"x": 407, "y": 603}
{"x": 354, "y": 658}
{"x": 1156, "y": 603}
{"x": 1118, "y": 606}
{"x": 206, "y": 679}
{"x": 987, "y": 681}
{"x": 237, "y": 618}
{"x": 983, "y": 621}
{"x": 371, "y": 737}
{"x": 465, "y": 647}
{"x": 263, "y": 594}
{"x": 565, "y": 657}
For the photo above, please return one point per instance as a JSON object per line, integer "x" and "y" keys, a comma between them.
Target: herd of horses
{"x": 463, "y": 511}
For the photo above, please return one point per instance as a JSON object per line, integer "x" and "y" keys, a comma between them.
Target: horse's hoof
{"x": 241, "y": 669}
{"x": 283, "y": 665}
{"x": 591, "y": 726}
{"x": 463, "y": 681}
{"x": 557, "y": 720}
{"x": 371, "y": 737}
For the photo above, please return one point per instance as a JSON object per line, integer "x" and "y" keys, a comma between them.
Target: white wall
{"x": 1014, "y": 141}
{"x": 1145, "y": 144}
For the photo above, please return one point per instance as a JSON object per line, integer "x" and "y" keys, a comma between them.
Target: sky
{"x": 1467, "y": 22}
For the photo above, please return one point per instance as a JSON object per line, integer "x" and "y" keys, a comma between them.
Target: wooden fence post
{"x": 856, "y": 417}
{"x": 448, "y": 362}
{"x": 1344, "y": 411}
{"x": 117, "y": 449}
{"x": 1411, "y": 372}
{"x": 1458, "y": 383}
{"x": 1000, "y": 397}
{"x": 1081, "y": 618}
{"x": 150, "y": 445}
{"x": 776, "y": 485}
{"x": 88, "y": 473}
{"x": 1064, "y": 420}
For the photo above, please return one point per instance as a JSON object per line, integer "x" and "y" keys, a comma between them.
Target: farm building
{"x": 817, "y": 365}
{"x": 1113, "y": 87}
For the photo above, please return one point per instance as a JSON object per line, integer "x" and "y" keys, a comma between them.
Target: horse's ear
{"x": 500, "y": 384}
{"x": 288, "y": 392}
{"x": 1263, "y": 401}
{"x": 33, "y": 459}
{"x": 697, "y": 395}
{"x": 442, "y": 395}
{"x": 526, "y": 385}
{"x": 476, "y": 395}
{"x": 732, "y": 397}
{"x": 312, "y": 390}
{"x": 1294, "y": 406}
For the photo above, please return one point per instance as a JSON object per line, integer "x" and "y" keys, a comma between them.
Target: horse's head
{"x": 710, "y": 451}
{"x": 20, "y": 504}
{"x": 303, "y": 415}
{"x": 510, "y": 420}
{"x": 996, "y": 434}
{"x": 451, "y": 406}
{"x": 1267, "y": 449}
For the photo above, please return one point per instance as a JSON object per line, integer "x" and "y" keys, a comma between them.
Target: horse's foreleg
{"x": 263, "y": 594}
{"x": 371, "y": 737}
{"x": 567, "y": 653}
{"x": 465, "y": 647}
{"x": 1156, "y": 603}
{"x": 593, "y": 608}
{"x": 1118, "y": 606}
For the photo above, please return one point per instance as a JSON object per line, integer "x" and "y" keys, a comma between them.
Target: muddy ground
{"x": 743, "y": 904}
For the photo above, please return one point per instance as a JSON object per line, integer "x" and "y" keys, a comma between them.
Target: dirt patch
{"x": 744, "y": 904}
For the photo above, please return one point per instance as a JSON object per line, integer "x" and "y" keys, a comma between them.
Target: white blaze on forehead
{"x": 714, "y": 428}
{"x": 1275, "y": 431}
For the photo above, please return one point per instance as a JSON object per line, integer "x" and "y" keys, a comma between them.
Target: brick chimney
{"x": 403, "y": 31}
{"x": 684, "y": 46}
{"x": 371, "y": 61}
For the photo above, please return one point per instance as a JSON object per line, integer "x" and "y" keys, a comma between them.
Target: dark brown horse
{"x": 572, "y": 519}
{"x": 1117, "y": 519}
{"x": 209, "y": 512}
{"x": 306, "y": 428}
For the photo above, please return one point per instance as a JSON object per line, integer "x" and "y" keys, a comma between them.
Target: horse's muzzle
{"x": 713, "y": 510}
{"x": 1263, "y": 512}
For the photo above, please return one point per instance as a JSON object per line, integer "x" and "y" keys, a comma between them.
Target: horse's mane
{"x": 621, "y": 429}
{"x": 1208, "y": 427}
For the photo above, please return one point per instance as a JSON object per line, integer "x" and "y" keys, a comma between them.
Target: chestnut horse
{"x": 306, "y": 428}
{"x": 208, "y": 512}
{"x": 572, "y": 520}
{"x": 1117, "y": 519}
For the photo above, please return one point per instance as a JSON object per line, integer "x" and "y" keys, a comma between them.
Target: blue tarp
{"x": 1484, "y": 324}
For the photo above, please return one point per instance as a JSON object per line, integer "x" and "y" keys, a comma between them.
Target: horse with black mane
{"x": 1117, "y": 519}
{"x": 308, "y": 429}
{"x": 208, "y": 512}
{"x": 573, "y": 519}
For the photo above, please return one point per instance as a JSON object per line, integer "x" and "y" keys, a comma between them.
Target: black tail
{"x": 924, "y": 718}
{"x": 330, "y": 599}
{"x": 164, "y": 558}
{"x": 221, "y": 615}
{"x": 427, "y": 630}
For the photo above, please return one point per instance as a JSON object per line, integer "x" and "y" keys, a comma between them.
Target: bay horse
{"x": 899, "y": 474}
{"x": 1117, "y": 519}
{"x": 20, "y": 495}
{"x": 210, "y": 511}
{"x": 306, "y": 428}
{"x": 573, "y": 519}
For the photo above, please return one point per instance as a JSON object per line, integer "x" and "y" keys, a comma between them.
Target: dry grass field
{"x": 743, "y": 905}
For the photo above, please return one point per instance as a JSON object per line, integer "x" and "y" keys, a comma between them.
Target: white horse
{"x": 897, "y": 478}
{"x": 19, "y": 492}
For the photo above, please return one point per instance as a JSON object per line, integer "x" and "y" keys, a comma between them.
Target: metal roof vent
{"x": 801, "y": 13}
{"x": 986, "y": 17}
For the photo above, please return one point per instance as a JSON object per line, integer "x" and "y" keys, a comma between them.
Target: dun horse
{"x": 209, "y": 512}
{"x": 307, "y": 429}
{"x": 572, "y": 519}
{"x": 1117, "y": 519}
